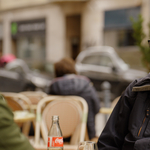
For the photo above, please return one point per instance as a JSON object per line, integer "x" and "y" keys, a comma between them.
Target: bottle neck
{"x": 55, "y": 129}
{"x": 55, "y": 121}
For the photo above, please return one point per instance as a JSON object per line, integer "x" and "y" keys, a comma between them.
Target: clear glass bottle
{"x": 55, "y": 138}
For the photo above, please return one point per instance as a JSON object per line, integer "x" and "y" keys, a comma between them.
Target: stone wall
{"x": 132, "y": 56}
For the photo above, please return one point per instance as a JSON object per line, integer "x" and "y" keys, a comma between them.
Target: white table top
{"x": 23, "y": 116}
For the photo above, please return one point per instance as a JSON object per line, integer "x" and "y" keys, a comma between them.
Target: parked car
{"x": 16, "y": 77}
{"x": 103, "y": 64}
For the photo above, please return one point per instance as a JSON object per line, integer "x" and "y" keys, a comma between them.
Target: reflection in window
{"x": 92, "y": 60}
{"x": 32, "y": 50}
{"x": 118, "y": 27}
{"x": 101, "y": 60}
{"x": 105, "y": 61}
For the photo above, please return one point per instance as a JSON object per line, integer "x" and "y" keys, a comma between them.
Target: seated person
{"x": 11, "y": 137}
{"x": 128, "y": 127}
{"x": 69, "y": 83}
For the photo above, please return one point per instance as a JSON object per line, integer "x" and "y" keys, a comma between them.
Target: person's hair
{"x": 64, "y": 66}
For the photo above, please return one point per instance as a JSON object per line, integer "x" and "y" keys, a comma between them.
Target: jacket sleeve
{"x": 112, "y": 136}
{"x": 93, "y": 108}
{"x": 11, "y": 137}
{"x": 95, "y": 100}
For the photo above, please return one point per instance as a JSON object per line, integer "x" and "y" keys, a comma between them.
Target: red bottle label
{"x": 55, "y": 142}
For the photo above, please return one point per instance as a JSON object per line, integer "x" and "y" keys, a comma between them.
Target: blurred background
{"x": 41, "y": 31}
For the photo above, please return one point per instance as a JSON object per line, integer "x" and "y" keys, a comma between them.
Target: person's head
{"x": 64, "y": 66}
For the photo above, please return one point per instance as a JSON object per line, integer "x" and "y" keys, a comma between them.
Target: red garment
{"x": 6, "y": 58}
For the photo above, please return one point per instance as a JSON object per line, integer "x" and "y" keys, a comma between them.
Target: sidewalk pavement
{"x": 100, "y": 122}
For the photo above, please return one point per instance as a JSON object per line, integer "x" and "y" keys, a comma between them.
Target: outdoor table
{"x": 25, "y": 117}
{"x": 65, "y": 147}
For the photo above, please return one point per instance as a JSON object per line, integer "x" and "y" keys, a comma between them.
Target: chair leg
{"x": 26, "y": 128}
{"x": 86, "y": 135}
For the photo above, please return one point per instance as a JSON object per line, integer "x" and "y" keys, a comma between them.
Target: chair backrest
{"x": 69, "y": 112}
{"x": 34, "y": 96}
{"x": 14, "y": 104}
{"x": 17, "y": 101}
{"x": 72, "y": 111}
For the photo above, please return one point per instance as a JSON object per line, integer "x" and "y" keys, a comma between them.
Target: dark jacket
{"x": 11, "y": 137}
{"x": 128, "y": 127}
{"x": 79, "y": 86}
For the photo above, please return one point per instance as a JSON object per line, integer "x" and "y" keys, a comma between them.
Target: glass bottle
{"x": 55, "y": 138}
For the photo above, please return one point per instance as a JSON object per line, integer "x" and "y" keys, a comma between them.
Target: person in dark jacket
{"x": 11, "y": 137}
{"x": 128, "y": 127}
{"x": 69, "y": 83}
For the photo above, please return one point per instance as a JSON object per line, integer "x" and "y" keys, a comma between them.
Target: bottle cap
{"x": 55, "y": 117}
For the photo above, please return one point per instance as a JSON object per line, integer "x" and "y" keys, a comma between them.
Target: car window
{"x": 92, "y": 60}
{"x": 105, "y": 61}
{"x": 100, "y": 60}
{"x": 16, "y": 69}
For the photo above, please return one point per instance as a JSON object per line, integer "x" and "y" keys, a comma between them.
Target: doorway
{"x": 73, "y": 32}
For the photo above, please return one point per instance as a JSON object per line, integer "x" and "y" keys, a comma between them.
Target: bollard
{"x": 106, "y": 86}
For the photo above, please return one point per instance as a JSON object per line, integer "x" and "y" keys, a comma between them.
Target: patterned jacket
{"x": 79, "y": 86}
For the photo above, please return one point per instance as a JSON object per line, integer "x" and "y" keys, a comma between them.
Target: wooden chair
{"x": 18, "y": 102}
{"x": 72, "y": 111}
{"x": 34, "y": 96}
{"x": 19, "y": 99}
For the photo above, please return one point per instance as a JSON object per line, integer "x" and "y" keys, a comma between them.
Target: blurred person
{"x": 67, "y": 82}
{"x": 128, "y": 127}
{"x": 6, "y": 59}
{"x": 11, "y": 137}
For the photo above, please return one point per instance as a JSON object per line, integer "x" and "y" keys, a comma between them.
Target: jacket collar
{"x": 141, "y": 88}
{"x": 142, "y": 84}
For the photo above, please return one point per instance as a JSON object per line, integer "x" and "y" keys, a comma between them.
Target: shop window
{"x": 32, "y": 50}
{"x": 118, "y": 27}
{"x": 125, "y": 38}
{"x": 28, "y": 41}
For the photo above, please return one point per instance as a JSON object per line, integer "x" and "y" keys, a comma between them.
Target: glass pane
{"x": 105, "y": 61}
{"x": 121, "y": 18}
{"x": 32, "y": 50}
{"x": 93, "y": 60}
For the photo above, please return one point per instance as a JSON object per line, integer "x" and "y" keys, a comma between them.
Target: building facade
{"x": 47, "y": 30}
